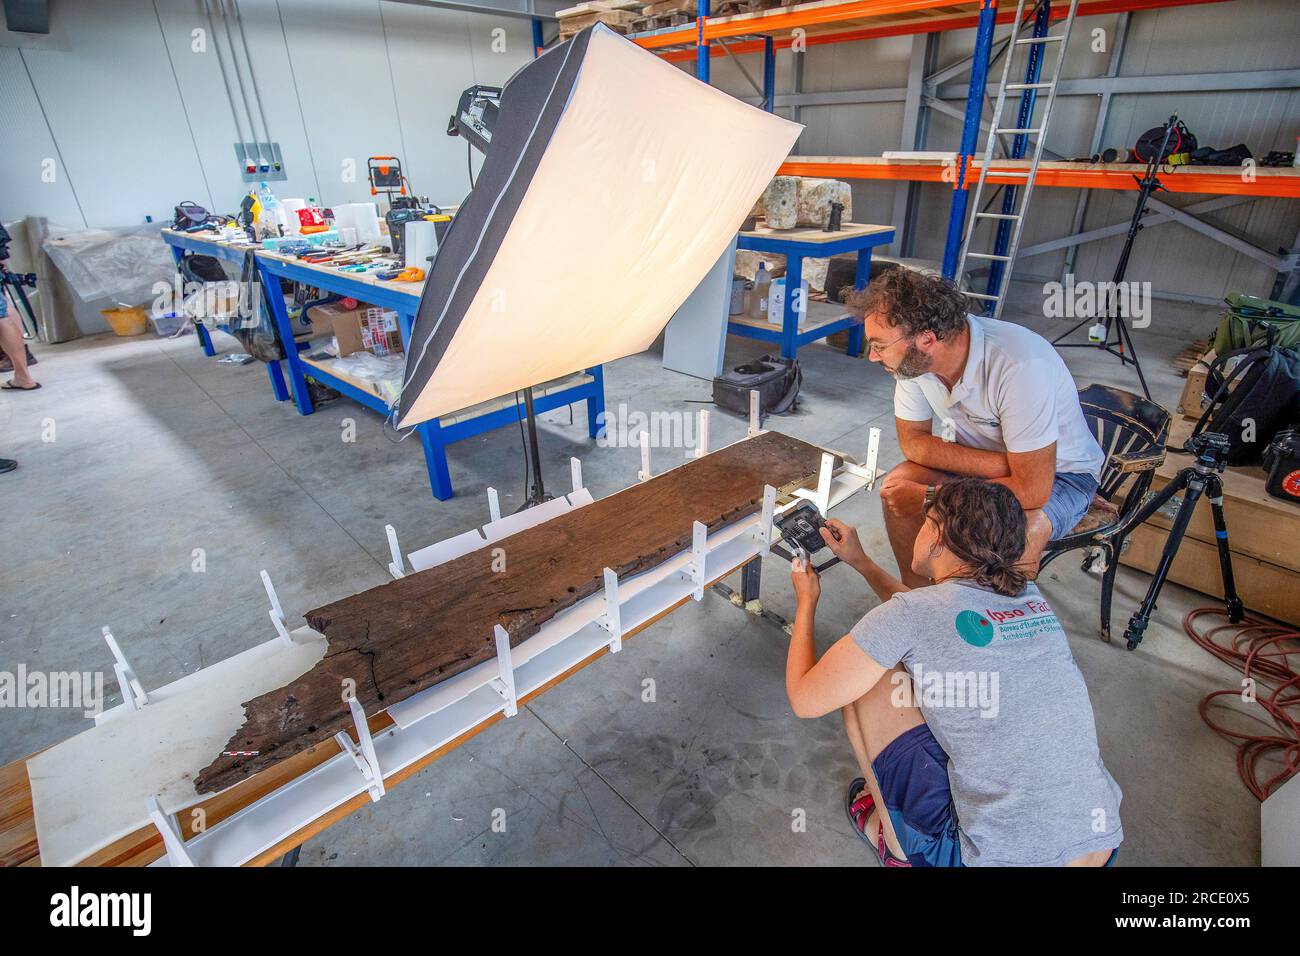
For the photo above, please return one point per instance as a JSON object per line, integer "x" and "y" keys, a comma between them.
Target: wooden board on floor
{"x": 395, "y": 640}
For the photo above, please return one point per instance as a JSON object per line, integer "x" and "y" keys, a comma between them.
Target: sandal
{"x": 858, "y": 804}
{"x": 9, "y": 386}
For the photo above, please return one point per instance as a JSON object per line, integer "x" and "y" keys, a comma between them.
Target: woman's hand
{"x": 807, "y": 583}
{"x": 843, "y": 541}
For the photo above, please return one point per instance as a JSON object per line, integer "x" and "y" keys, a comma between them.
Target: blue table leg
{"x": 596, "y": 404}
{"x": 861, "y": 276}
{"x": 205, "y": 339}
{"x": 435, "y": 458}
{"x": 793, "y": 305}
{"x": 275, "y": 302}
{"x": 276, "y": 375}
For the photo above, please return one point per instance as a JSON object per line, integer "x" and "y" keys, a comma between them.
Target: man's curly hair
{"x": 912, "y": 302}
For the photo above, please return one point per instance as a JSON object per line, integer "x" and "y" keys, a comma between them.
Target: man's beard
{"x": 913, "y": 363}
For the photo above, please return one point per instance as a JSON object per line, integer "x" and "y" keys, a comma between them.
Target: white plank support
{"x": 699, "y": 551}
{"x": 755, "y": 420}
{"x": 364, "y": 755}
{"x": 612, "y": 620}
{"x": 644, "y": 441}
{"x": 494, "y": 504}
{"x": 394, "y": 566}
{"x": 504, "y": 683}
{"x": 873, "y": 455}
{"x": 763, "y": 533}
{"x": 132, "y": 690}
{"x": 276, "y": 612}
{"x": 822, "y": 496}
{"x": 702, "y": 442}
{"x": 173, "y": 842}
{"x": 575, "y": 474}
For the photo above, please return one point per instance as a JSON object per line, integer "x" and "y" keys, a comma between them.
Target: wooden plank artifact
{"x": 392, "y": 641}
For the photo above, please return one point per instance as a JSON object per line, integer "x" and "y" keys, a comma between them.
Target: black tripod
{"x": 1201, "y": 477}
{"x": 1113, "y": 318}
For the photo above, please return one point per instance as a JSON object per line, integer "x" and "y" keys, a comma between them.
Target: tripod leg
{"x": 1072, "y": 329}
{"x": 1214, "y": 491}
{"x": 1195, "y": 485}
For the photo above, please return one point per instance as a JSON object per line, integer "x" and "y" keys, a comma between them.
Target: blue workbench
{"x": 402, "y": 298}
{"x": 435, "y": 436}
{"x": 810, "y": 243}
{"x": 182, "y": 243}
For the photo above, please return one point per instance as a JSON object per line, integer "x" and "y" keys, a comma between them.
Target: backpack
{"x": 1249, "y": 320}
{"x": 1253, "y": 400}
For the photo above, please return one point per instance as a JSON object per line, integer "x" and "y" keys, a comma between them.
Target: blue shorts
{"x": 4, "y": 304}
{"x": 912, "y": 772}
{"x": 1070, "y": 499}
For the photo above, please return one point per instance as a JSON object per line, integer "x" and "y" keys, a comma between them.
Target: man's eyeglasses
{"x": 877, "y": 347}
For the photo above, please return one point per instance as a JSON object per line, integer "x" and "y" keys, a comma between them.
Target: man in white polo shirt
{"x": 977, "y": 397}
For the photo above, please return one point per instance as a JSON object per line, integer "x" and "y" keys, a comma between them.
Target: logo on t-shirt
{"x": 1027, "y": 619}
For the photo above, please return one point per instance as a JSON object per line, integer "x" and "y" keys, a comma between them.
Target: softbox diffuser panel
{"x": 613, "y": 183}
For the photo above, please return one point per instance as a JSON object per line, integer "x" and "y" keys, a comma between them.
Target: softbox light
{"x": 613, "y": 182}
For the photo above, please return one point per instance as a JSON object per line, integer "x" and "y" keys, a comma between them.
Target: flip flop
{"x": 858, "y": 804}
{"x": 9, "y": 386}
{"x": 7, "y": 465}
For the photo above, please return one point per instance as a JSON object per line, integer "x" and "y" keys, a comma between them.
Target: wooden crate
{"x": 1190, "y": 404}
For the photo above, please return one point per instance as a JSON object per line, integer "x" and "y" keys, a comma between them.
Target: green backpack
{"x": 1247, "y": 320}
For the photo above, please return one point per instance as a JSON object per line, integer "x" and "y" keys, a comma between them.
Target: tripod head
{"x": 1211, "y": 451}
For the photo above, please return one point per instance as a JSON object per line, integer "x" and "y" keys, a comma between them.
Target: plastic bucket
{"x": 127, "y": 320}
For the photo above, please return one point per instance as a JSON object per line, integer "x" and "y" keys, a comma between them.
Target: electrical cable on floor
{"x": 1261, "y": 650}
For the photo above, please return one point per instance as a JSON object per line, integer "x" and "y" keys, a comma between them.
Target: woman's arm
{"x": 843, "y": 541}
{"x": 844, "y": 673}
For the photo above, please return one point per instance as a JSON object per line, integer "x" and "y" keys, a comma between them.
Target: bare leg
{"x": 1038, "y": 529}
{"x": 11, "y": 341}
{"x": 902, "y": 498}
{"x": 872, "y": 722}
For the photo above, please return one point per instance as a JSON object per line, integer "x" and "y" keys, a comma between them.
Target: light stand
{"x": 536, "y": 491}
{"x": 1113, "y": 319}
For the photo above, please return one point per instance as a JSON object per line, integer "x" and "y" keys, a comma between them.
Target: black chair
{"x": 1132, "y": 432}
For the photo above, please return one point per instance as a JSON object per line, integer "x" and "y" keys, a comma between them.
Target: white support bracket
{"x": 612, "y": 621}
{"x": 575, "y": 474}
{"x": 644, "y": 441}
{"x": 763, "y": 533}
{"x": 873, "y": 455}
{"x": 396, "y": 565}
{"x": 822, "y": 496}
{"x": 177, "y": 854}
{"x": 699, "y": 552}
{"x": 494, "y": 504}
{"x": 504, "y": 684}
{"x": 364, "y": 755}
{"x": 702, "y": 442}
{"x": 132, "y": 690}
{"x": 755, "y": 419}
{"x": 276, "y": 612}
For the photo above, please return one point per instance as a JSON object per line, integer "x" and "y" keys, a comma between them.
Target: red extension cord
{"x": 1261, "y": 651}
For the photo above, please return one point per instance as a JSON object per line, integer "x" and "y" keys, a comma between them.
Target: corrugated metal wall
{"x": 136, "y": 119}
{"x": 1241, "y": 35}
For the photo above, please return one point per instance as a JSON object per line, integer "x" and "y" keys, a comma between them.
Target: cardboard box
{"x": 323, "y": 317}
{"x": 1190, "y": 403}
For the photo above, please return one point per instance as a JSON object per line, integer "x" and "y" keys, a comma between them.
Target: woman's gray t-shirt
{"x": 999, "y": 688}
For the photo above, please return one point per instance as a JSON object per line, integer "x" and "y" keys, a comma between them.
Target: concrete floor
{"x": 158, "y": 451}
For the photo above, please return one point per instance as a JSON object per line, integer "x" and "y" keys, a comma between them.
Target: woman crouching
{"x": 962, "y": 701}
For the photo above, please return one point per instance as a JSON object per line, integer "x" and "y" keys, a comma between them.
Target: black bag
{"x": 190, "y": 215}
{"x": 253, "y": 326}
{"x": 197, "y": 267}
{"x": 1178, "y": 151}
{"x": 776, "y": 379}
{"x": 1250, "y": 404}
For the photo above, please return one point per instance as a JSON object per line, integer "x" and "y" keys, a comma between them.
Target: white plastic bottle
{"x": 759, "y": 294}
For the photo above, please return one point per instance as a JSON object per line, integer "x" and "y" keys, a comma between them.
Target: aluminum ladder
{"x": 1010, "y": 221}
